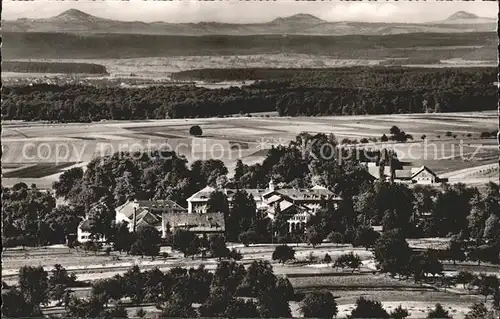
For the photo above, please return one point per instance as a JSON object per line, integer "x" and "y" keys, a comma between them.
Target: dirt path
{"x": 463, "y": 173}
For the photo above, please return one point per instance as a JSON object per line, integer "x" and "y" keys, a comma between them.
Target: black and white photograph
{"x": 250, "y": 159}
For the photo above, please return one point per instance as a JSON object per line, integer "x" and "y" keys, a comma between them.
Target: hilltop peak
{"x": 462, "y": 15}
{"x": 75, "y": 14}
{"x": 299, "y": 18}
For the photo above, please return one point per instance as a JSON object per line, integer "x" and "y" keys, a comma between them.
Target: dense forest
{"x": 469, "y": 46}
{"x": 292, "y": 92}
{"x": 52, "y": 67}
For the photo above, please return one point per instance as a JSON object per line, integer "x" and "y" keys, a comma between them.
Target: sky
{"x": 235, "y": 11}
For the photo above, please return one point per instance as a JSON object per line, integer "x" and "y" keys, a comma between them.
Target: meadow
{"x": 248, "y": 138}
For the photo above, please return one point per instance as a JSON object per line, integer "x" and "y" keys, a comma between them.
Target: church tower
{"x": 271, "y": 185}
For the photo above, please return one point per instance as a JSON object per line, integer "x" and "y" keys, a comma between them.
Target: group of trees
{"x": 36, "y": 288}
{"x": 394, "y": 256}
{"x": 425, "y": 210}
{"x": 191, "y": 245}
{"x": 31, "y": 217}
{"x": 219, "y": 293}
{"x": 302, "y": 92}
{"x": 53, "y": 67}
{"x": 173, "y": 292}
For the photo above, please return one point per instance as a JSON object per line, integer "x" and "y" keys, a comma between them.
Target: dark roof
{"x": 207, "y": 222}
{"x": 145, "y": 217}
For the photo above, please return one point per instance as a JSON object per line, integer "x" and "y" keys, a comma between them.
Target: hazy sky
{"x": 235, "y": 11}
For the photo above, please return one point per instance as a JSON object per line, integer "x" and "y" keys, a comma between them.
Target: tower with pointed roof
{"x": 271, "y": 185}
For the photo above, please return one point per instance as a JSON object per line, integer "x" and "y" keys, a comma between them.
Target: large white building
{"x": 167, "y": 216}
{"x": 298, "y": 204}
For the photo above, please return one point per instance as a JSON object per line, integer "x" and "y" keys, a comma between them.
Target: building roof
{"x": 163, "y": 204}
{"x": 417, "y": 170}
{"x": 273, "y": 198}
{"x": 204, "y": 194}
{"x": 405, "y": 173}
{"x": 127, "y": 209}
{"x": 305, "y": 194}
{"x": 207, "y": 222}
{"x": 146, "y": 217}
{"x": 318, "y": 187}
{"x": 294, "y": 194}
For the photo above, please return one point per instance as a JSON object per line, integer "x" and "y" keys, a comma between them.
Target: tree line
{"x": 354, "y": 91}
{"x": 53, "y": 67}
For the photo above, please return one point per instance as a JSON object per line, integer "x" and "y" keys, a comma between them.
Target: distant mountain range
{"x": 76, "y": 21}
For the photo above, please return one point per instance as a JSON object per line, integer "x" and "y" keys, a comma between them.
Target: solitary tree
{"x": 59, "y": 282}
{"x": 478, "y": 311}
{"x": 439, "y": 312}
{"x": 319, "y": 305}
{"x": 366, "y": 237}
{"x": 455, "y": 250}
{"x": 195, "y": 130}
{"x": 465, "y": 278}
{"x": 399, "y": 313}
{"x": 349, "y": 260}
{"x": 283, "y": 253}
{"x": 177, "y": 309}
{"x": 33, "y": 284}
{"x": 218, "y": 247}
{"x": 184, "y": 241}
{"x": 487, "y": 285}
{"x": 313, "y": 235}
{"x": 248, "y": 237}
{"x": 123, "y": 239}
{"x": 272, "y": 304}
{"x": 327, "y": 259}
{"x": 147, "y": 242}
{"x": 366, "y": 308}
{"x": 335, "y": 237}
{"x": 284, "y": 287}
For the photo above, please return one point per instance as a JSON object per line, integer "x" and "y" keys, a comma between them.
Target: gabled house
{"x": 137, "y": 213}
{"x": 83, "y": 234}
{"x": 146, "y": 212}
{"x": 297, "y": 215}
{"x": 406, "y": 175}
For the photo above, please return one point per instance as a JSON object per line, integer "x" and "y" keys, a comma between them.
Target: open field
{"x": 230, "y": 138}
{"x": 304, "y": 276}
{"x": 42, "y": 45}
